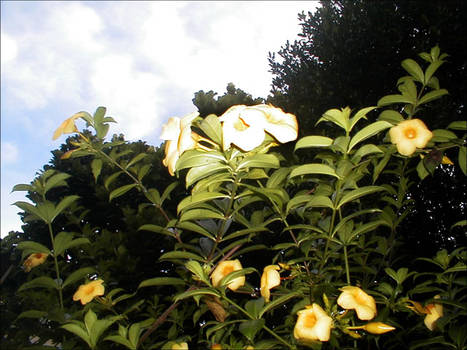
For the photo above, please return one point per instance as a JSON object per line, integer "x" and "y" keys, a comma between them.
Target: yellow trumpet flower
{"x": 34, "y": 260}
{"x": 355, "y": 298}
{"x": 223, "y": 269}
{"x": 87, "y": 292}
{"x": 409, "y": 135}
{"x": 313, "y": 323}
{"x": 269, "y": 279}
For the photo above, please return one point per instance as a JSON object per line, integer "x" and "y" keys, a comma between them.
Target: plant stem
{"x": 57, "y": 270}
{"x": 347, "y": 270}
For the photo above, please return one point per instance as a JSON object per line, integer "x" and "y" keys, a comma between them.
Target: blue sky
{"x": 142, "y": 60}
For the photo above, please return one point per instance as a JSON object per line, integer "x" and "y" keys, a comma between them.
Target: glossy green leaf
{"x": 278, "y": 302}
{"x": 259, "y": 161}
{"x": 56, "y": 180}
{"x": 96, "y": 167}
{"x": 121, "y": 191}
{"x": 235, "y": 274}
{"x": 180, "y": 255}
{"x": 277, "y": 177}
{"x": 458, "y": 125}
{"x": 462, "y": 159}
{"x": 317, "y": 201}
{"x": 161, "y": 281}
{"x": 368, "y": 132}
{"x": 22, "y": 187}
{"x": 195, "y": 158}
{"x": 359, "y": 115}
{"x": 391, "y": 116}
{"x": 313, "y": 169}
{"x": 358, "y": 193}
{"x": 197, "y": 198}
{"x": 364, "y": 151}
{"x": 108, "y": 181}
{"x": 62, "y": 205}
{"x": 431, "y": 69}
{"x": 168, "y": 190}
{"x": 413, "y": 69}
{"x": 196, "y": 292}
{"x": 32, "y": 314}
{"x": 196, "y": 268}
{"x": 78, "y": 330}
{"x": 199, "y": 214}
{"x": 136, "y": 159}
{"x": 31, "y": 209}
{"x": 432, "y": 95}
{"x": 253, "y": 307}
{"x": 39, "y": 282}
{"x": 33, "y": 247}
{"x": 197, "y": 173}
{"x": 212, "y": 128}
{"x": 313, "y": 141}
{"x": 156, "y": 228}
{"x": 443, "y": 135}
{"x": 250, "y": 328}
{"x": 338, "y": 117}
{"x": 393, "y": 99}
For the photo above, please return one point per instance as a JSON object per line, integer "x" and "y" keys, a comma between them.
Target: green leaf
{"x": 39, "y": 282}
{"x": 136, "y": 159}
{"x": 458, "y": 125}
{"x": 278, "y": 302}
{"x": 134, "y": 333}
{"x": 108, "y": 181}
{"x": 31, "y": 209}
{"x": 364, "y": 151}
{"x": 462, "y": 159}
{"x": 196, "y": 268}
{"x": 195, "y": 158}
{"x": 56, "y": 180}
{"x": 120, "y": 340}
{"x": 338, "y": 117}
{"x": 431, "y": 69}
{"x": 22, "y": 187}
{"x": 96, "y": 167}
{"x": 89, "y": 319}
{"x": 250, "y": 328}
{"x": 359, "y": 115}
{"x": 421, "y": 170}
{"x": 78, "y": 275}
{"x": 235, "y": 274}
{"x": 64, "y": 203}
{"x": 391, "y": 116}
{"x": 317, "y": 201}
{"x": 99, "y": 327}
{"x": 443, "y": 135}
{"x": 425, "y": 343}
{"x": 197, "y": 173}
{"x": 195, "y": 292}
{"x": 167, "y": 191}
{"x": 33, "y": 247}
{"x": 212, "y": 128}
{"x": 314, "y": 168}
{"x": 161, "y": 281}
{"x": 253, "y": 307}
{"x": 313, "y": 141}
{"x": 153, "y": 196}
{"x": 121, "y": 191}
{"x": 413, "y": 69}
{"x": 78, "y": 330}
{"x": 180, "y": 255}
{"x": 393, "y": 99}
{"x": 199, "y": 214}
{"x": 359, "y": 192}
{"x": 197, "y": 198}
{"x": 259, "y": 161}
{"x": 277, "y": 177}
{"x": 61, "y": 242}
{"x": 368, "y": 131}
{"x": 156, "y": 228}
{"x": 432, "y": 95}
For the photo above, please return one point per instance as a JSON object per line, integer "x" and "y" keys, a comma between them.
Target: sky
{"x": 143, "y": 61}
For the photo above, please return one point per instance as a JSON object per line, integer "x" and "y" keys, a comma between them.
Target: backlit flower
{"x": 179, "y": 138}
{"x": 355, "y": 298}
{"x": 409, "y": 135}
{"x": 87, "y": 292}
{"x": 243, "y": 126}
{"x": 378, "y": 328}
{"x": 216, "y": 347}
{"x": 34, "y": 260}
{"x": 269, "y": 279}
{"x": 180, "y": 346}
{"x": 223, "y": 269}
{"x": 283, "y": 126}
{"x": 434, "y": 311}
{"x": 67, "y": 127}
{"x": 313, "y": 323}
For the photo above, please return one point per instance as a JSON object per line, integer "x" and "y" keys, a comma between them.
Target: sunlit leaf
{"x": 368, "y": 131}
{"x": 161, "y": 281}
{"x": 313, "y": 169}
{"x": 121, "y": 191}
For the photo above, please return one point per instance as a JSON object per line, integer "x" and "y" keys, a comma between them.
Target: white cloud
{"x": 9, "y": 48}
{"x": 9, "y": 152}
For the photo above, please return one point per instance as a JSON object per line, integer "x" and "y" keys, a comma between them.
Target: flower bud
{"x": 378, "y": 328}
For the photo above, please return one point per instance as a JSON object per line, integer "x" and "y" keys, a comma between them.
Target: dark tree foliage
{"x": 349, "y": 54}
{"x": 207, "y": 103}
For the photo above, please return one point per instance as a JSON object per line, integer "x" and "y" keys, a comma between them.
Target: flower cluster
{"x": 242, "y": 126}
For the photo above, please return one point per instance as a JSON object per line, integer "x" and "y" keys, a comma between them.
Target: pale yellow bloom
{"x": 355, "y": 298}
{"x": 67, "y": 127}
{"x": 179, "y": 138}
{"x": 313, "y": 323}
{"x": 283, "y": 126}
{"x": 216, "y": 347}
{"x": 34, "y": 260}
{"x": 378, "y": 328}
{"x": 446, "y": 160}
{"x": 245, "y": 126}
{"x": 434, "y": 311}
{"x": 87, "y": 292}
{"x": 180, "y": 346}
{"x": 269, "y": 279}
{"x": 223, "y": 269}
{"x": 409, "y": 135}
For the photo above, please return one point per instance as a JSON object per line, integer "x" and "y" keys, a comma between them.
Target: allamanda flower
{"x": 355, "y": 298}
{"x": 283, "y": 126}
{"x": 179, "y": 138}
{"x": 409, "y": 135}
{"x": 67, "y": 127}
{"x": 223, "y": 269}
{"x": 434, "y": 311}
{"x": 269, "y": 279}
{"x": 375, "y": 328}
{"x": 87, "y": 292}
{"x": 34, "y": 260}
{"x": 313, "y": 323}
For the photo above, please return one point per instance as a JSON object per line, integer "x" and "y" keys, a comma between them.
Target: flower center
{"x": 227, "y": 270}
{"x": 410, "y": 133}
{"x": 240, "y": 125}
{"x": 310, "y": 321}
{"x": 38, "y": 255}
{"x": 89, "y": 290}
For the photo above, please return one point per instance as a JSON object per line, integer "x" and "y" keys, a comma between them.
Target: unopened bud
{"x": 378, "y": 328}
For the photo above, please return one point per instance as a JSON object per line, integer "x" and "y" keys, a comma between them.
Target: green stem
{"x": 347, "y": 270}
{"x": 267, "y": 329}
{"x": 57, "y": 270}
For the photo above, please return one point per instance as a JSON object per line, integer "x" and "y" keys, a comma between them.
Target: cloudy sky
{"x": 142, "y": 60}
